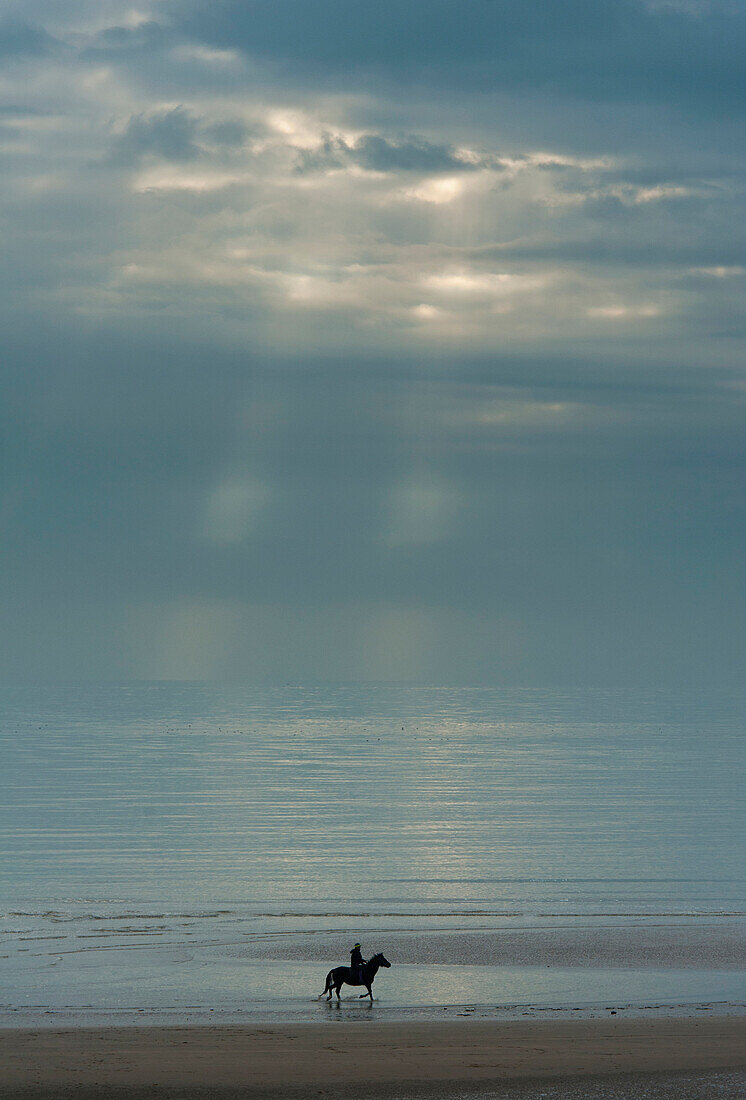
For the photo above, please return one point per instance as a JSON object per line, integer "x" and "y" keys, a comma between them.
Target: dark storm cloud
{"x": 175, "y": 134}
{"x": 597, "y": 49}
{"x": 114, "y": 43}
{"x": 231, "y": 132}
{"x": 692, "y": 249}
{"x": 169, "y": 134}
{"x": 377, "y": 154}
{"x": 411, "y": 328}
{"x": 19, "y": 39}
{"x": 20, "y": 111}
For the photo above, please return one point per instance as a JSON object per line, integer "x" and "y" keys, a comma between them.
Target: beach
{"x": 184, "y": 865}
{"x": 401, "y": 1060}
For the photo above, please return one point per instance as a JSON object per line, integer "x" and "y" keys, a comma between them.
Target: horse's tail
{"x": 328, "y": 985}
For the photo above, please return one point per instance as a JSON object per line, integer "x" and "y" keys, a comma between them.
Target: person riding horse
{"x": 356, "y": 974}
{"x": 356, "y": 963}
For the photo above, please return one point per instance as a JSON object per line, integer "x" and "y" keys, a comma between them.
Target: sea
{"x": 189, "y": 852}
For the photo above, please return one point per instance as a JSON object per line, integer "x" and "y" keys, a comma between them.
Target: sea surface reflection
{"x": 165, "y": 818}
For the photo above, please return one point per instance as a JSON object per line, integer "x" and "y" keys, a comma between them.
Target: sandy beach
{"x": 684, "y": 1057}
{"x": 174, "y": 897}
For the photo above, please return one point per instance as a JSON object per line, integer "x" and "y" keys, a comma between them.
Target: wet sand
{"x": 709, "y": 943}
{"x": 676, "y": 1057}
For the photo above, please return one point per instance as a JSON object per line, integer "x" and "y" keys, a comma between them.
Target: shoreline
{"x": 174, "y": 972}
{"x": 353, "y": 1011}
{"x": 360, "y": 1058}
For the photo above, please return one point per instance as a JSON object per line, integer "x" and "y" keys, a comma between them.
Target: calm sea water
{"x": 167, "y": 815}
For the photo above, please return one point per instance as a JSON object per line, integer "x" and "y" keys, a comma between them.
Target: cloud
{"x": 168, "y": 134}
{"x": 232, "y": 509}
{"x": 415, "y": 155}
{"x": 114, "y": 42}
{"x": 338, "y": 339}
{"x": 722, "y": 271}
{"x": 627, "y": 50}
{"x": 375, "y": 153}
{"x": 421, "y": 512}
{"x": 19, "y": 39}
{"x": 230, "y": 132}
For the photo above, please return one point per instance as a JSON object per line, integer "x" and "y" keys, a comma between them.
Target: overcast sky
{"x": 354, "y": 340}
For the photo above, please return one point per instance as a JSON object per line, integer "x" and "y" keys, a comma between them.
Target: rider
{"x": 356, "y": 963}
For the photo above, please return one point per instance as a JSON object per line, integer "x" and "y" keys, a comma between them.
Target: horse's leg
{"x": 368, "y": 994}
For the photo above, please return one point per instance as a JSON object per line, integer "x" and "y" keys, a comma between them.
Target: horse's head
{"x": 381, "y": 959}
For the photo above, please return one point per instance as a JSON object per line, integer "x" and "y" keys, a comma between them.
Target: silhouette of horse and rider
{"x": 359, "y": 972}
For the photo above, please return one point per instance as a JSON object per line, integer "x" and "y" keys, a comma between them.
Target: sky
{"x": 354, "y": 341}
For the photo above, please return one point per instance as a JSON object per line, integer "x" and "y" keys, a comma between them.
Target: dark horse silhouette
{"x": 342, "y": 975}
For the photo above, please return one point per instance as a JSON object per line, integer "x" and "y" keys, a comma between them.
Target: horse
{"x": 342, "y": 975}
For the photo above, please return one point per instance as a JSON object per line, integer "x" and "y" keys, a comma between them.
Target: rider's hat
{"x": 356, "y": 945}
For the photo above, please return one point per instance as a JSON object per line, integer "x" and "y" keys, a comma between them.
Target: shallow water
{"x": 201, "y": 827}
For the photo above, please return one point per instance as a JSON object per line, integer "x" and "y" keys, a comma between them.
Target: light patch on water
{"x": 186, "y": 830}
